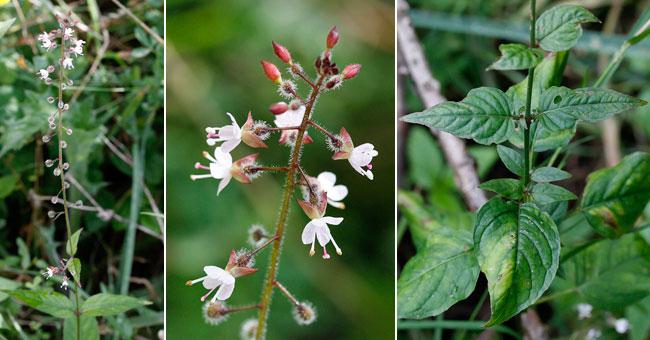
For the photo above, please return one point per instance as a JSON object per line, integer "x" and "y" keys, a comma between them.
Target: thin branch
{"x": 428, "y": 89}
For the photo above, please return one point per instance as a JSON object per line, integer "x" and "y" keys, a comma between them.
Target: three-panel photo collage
{"x": 325, "y": 170}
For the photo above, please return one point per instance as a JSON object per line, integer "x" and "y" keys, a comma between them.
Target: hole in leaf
{"x": 557, "y": 99}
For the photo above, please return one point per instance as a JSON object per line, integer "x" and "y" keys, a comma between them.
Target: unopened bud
{"x": 46, "y": 139}
{"x": 215, "y": 313}
{"x": 318, "y": 62}
{"x": 48, "y": 81}
{"x": 278, "y": 108}
{"x": 68, "y": 131}
{"x": 66, "y": 166}
{"x": 63, "y": 86}
{"x": 70, "y": 82}
{"x": 66, "y": 185}
{"x": 332, "y": 38}
{"x": 57, "y": 171}
{"x": 272, "y": 72}
{"x": 351, "y": 70}
{"x": 60, "y": 104}
{"x": 52, "y": 126}
{"x": 282, "y": 52}
{"x": 50, "y": 119}
{"x": 66, "y": 107}
{"x": 63, "y": 144}
{"x": 54, "y": 199}
{"x": 50, "y": 100}
{"x": 304, "y": 313}
{"x": 49, "y": 163}
{"x": 51, "y": 214}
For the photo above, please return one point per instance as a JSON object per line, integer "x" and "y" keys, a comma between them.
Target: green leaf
{"x": 89, "y": 328}
{"x": 75, "y": 269}
{"x": 71, "y": 245}
{"x": 506, "y": 187}
{"x": 6, "y": 284}
{"x": 110, "y": 304}
{"x": 425, "y": 160}
{"x": 641, "y": 28}
{"x": 545, "y": 193}
{"x": 7, "y": 185}
{"x": 485, "y": 115}
{"x": 518, "y": 249}
{"x": 611, "y": 274}
{"x": 557, "y": 211}
{"x": 23, "y": 251}
{"x": 437, "y": 277}
{"x": 558, "y": 29}
{"x": 4, "y": 26}
{"x": 52, "y": 303}
{"x": 512, "y": 159}
{"x": 560, "y": 110}
{"x": 549, "y": 174}
{"x": 517, "y": 57}
{"x": 615, "y": 197}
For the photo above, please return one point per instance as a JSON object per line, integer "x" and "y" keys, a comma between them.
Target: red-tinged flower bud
{"x": 351, "y": 70}
{"x": 332, "y": 38}
{"x": 282, "y": 52}
{"x": 279, "y": 108}
{"x": 272, "y": 72}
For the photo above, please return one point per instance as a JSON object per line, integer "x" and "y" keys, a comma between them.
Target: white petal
{"x": 323, "y": 235}
{"x": 225, "y": 291}
{"x": 215, "y": 272}
{"x": 356, "y": 167}
{"x": 230, "y": 145}
{"x": 332, "y": 220}
{"x": 234, "y": 123}
{"x": 309, "y": 233}
{"x": 218, "y": 171}
{"x": 337, "y": 193}
{"x": 370, "y": 175}
{"x": 222, "y": 157}
{"x": 210, "y": 283}
{"x": 223, "y": 183}
{"x": 327, "y": 180}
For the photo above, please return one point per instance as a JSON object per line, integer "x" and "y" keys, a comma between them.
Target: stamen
{"x": 206, "y": 295}
{"x": 195, "y": 177}
{"x": 210, "y": 158}
{"x": 338, "y": 250}
{"x": 311, "y": 251}
{"x": 199, "y": 166}
{"x": 325, "y": 254}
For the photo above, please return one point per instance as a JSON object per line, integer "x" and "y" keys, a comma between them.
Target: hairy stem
{"x": 65, "y": 199}
{"x": 529, "y": 95}
{"x": 286, "y": 292}
{"x": 284, "y": 212}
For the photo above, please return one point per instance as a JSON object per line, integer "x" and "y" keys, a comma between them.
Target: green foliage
{"x": 109, "y": 304}
{"x": 517, "y": 57}
{"x": 71, "y": 245}
{"x": 53, "y": 303}
{"x": 506, "y": 187}
{"x": 518, "y": 248}
{"x": 611, "y": 274}
{"x": 4, "y": 26}
{"x": 88, "y": 327}
{"x": 549, "y": 174}
{"x": 545, "y": 193}
{"x": 485, "y": 115}
{"x": 512, "y": 159}
{"x": 615, "y": 197}
{"x": 558, "y": 29}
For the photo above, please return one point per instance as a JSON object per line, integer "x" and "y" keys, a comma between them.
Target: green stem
{"x": 613, "y": 65}
{"x": 529, "y": 97}
{"x": 455, "y": 324}
{"x": 284, "y": 212}
{"x": 554, "y": 296}
{"x": 65, "y": 198}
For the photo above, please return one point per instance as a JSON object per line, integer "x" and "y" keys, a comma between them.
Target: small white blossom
{"x": 49, "y": 273}
{"x": 220, "y": 166}
{"x": 335, "y": 193}
{"x": 68, "y": 32}
{"x": 64, "y": 284}
{"x": 46, "y": 41}
{"x": 593, "y": 334}
{"x": 216, "y": 277}
{"x": 621, "y": 325}
{"x": 67, "y": 63}
{"x": 584, "y": 310}
{"x": 318, "y": 229}
{"x": 43, "y": 74}
{"x": 229, "y": 134}
{"x": 361, "y": 157}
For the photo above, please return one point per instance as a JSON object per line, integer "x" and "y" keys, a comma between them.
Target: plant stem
{"x": 613, "y": 65}
{"x": 529, "y": 96}
{"x": 286, "y": 292}
{"x": 266, "y": 168}
{"x": 554, "y": 296}
{"x": 322, "y": 130}
{"x": 60, "y": 165}
{"x": 263, "y": 245}
{"x": 284, "y": 212}
{"x": 237, "y": 309}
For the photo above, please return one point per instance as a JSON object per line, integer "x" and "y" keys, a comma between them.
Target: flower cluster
{"x": 293, "y": 120}
{"x": 65, "y": 265}
{"x": 620, "y": 325}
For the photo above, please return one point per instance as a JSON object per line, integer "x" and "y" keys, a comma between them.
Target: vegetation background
{"x": 214, "y": 52}
{"x": 460, "y": 39}
{"x": 117, "y": 121}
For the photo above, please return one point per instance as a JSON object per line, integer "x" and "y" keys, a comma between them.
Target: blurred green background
{"x": 213, "y": 58}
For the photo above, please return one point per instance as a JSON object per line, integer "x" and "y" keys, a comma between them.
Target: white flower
{"x": 43, "y": 74}
{"x": 229, "y": 134}
{"x": 78, "y": 48}
{"x": 584, "y": 310}
{"x": 67, "y": 63}
{"x": 291, "y": 118}
{"x": 318, "y": 229}
{"x": 45, "y": 38}
{"x": 216, "y": 277}
{"x": 593, "y": 334}
{"x": 335, "y": 193}
{"x": 220, "y": 167}
{"x": 64, "y": 284}
{"x": 49, "y": 273}
{"x": 362, "y": 156}
{"x": 68, "y": 32}
{"x": 621, "y": 325}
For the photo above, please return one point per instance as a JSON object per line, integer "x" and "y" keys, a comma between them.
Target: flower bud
{"x": 248, "y": 329}
{"x": 48, "y": 81}
{"x": 50, "y": 69}
{"x": 49, "y": 163}
{"x": 54, "y": 199}
{"x": 63, "y": 144}
{"x": 51, "y": 214}
{"x": 272, "y": 72}
{"x": 66, "y": 185}
{"x": 278, "y": 108}
{"x": 351, "y": 70}
{"x": 282, "y": 52}
{"x": 57, "y": 171}
{"x": 60, "y": 104}
{"x": 66, "y": 106}
{"x": 46, "y": 139}
{"x": 50, "y": 119}
{"x": 68, "y": 131}
{"x": 332, "y": 38}
{"x": 63, "y": 87}
{"x": 52, "y": 126}
{"x": 215, "y": 313}
{"x": 66, "y": 166}
{"x": 304, "y": 313}
{"x": 50, "y": 100}
{"x": 70, "y": 82}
